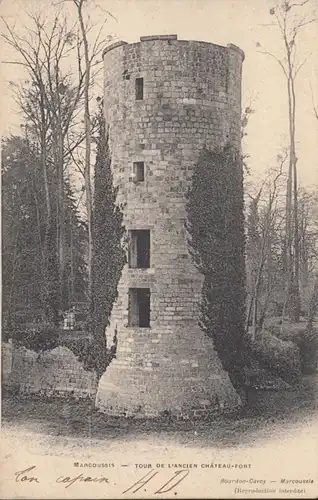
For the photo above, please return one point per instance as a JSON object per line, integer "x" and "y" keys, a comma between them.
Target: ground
{"x": 65, "y": 426}
{"x": 274, "y": 438}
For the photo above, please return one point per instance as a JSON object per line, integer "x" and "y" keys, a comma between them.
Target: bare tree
{"x": 290, "y": 21}
{"x": 314, "y": 297}
{"x": 58, "y": 103}
{"x": 88, "y": 141}
{"x": 263, "y": 222}
{"x": 88, "y": 66}
{"x": 308, "y": 235}
{"x": 248, "y": 111}
{"x": 49, "y": 101}
{"x": 315, "y": 110}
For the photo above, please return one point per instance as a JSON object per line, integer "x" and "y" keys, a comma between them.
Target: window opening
{"x": 139, "y": 89}
{"x": 139, "y": 307}
{"x": 139, "y": 248}
{"x": 139, "y": 171}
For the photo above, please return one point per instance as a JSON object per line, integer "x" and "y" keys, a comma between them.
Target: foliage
{"x": 308, "y": 348}
{"x": 50, "y": 102}
{"x": 290, "y": 20}
{"x": 53, "y": 99}
{"x": 308, "y": 344}
{"x": 265, "y": 247}
{"x": 40, "y": 337}
{"x": 26, "y": 286}
{"x": 80, "y": 345}
{"x": 278, "y": 356}
{"x": 248, "y": 111}
{"x": 108, "y": 253}
{"x": 304, "y": 338}
{"x": 215, "y": 223}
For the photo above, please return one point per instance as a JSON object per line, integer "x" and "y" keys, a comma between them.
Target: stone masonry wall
{"x": 192, "y": 100}
{"x": 52, "y": 373}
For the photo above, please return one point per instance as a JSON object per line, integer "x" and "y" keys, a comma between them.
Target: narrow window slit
{"x": 139, "y": 248}
{"x": 139, "y": 89}
{"x": 139, "y": 307}
{"x": 139, "y": 171}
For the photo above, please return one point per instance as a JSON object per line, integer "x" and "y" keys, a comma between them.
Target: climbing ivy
{"x": 109, "y": 255}
{"x": 215, "y": 225}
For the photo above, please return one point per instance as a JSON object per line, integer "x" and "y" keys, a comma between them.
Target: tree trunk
{"x": 292, "y": 302}
{"x": 87, "y": 174}
{"x": 8, "y": 323}
{"x": 295, "y": 293}
{"x": 61, "y": 220}
{"x": 313, "y": 307}
{"x": 50, "y": 307}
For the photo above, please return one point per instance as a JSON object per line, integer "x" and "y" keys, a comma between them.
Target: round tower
{"x": 165, "y": 100}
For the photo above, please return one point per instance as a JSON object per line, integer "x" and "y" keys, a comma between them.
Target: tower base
{"x": 142, "y": 393}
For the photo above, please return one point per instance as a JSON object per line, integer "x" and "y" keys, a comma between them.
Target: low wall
{"x": 6, "y": 361}
{"x": 52, "y": 373}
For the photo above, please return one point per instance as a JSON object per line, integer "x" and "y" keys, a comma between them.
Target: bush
{"x": 308, "y": 348}
{"x": 278, "y": 356}
{"x": 85, "y": 350}
{"x": 291, "y": 331}
{"x": 38, "y": 337}
{"x": 79, "y": 346}
{"x": 307, "y": 342}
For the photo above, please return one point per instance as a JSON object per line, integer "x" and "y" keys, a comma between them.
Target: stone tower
{"x": 165, "y": 99}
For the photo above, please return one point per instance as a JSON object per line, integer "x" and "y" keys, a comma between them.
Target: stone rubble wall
{"x": 51, "y": 373}
{"x": 6, "y": 361}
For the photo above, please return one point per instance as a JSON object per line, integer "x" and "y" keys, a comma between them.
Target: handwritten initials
{"x": 172, "y": 483}
{"x": 182, "y": 473}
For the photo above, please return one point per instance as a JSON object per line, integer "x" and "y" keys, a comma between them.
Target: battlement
{"x": 170, "y": 38}
{"x": 158, "y": 37}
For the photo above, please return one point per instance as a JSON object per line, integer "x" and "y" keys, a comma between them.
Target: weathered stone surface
{"x": 52, "y": 373}
{"x": 192, "y": 99}
{"x": 6, "y": 361}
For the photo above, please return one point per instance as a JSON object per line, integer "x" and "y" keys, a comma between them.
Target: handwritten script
{"x": 22, "y": 476}
{"x": 28, "y": 476}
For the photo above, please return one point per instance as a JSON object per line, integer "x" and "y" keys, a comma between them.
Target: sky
{"x": 241, "y": 22}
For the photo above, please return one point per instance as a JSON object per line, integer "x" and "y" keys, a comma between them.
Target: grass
{"x": 80, "y": 421}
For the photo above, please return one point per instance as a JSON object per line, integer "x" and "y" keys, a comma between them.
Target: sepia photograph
{"x": 159, "y": 215}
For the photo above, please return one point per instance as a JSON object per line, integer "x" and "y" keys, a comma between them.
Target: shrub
{"x": 38, "y": 337}
{"x": 308, "y": 348}
{"x": 278, "y": 356}
{"x": 306, "y": 341}
{"x": 79, "y": 346}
